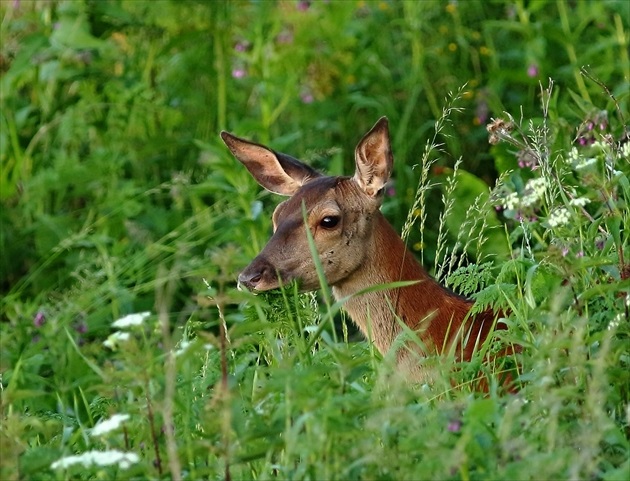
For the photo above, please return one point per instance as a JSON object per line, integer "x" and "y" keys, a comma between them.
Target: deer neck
{"x": 426, "y": 307}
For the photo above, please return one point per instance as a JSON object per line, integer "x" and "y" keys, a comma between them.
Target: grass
{"x": 117, "y": 198}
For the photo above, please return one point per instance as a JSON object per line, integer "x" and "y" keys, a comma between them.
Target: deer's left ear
{"x": 278, "y": 173}
{"x": 373, "y": 159}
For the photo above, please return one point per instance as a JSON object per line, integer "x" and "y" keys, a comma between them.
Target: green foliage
{"x": 117, "y": 197}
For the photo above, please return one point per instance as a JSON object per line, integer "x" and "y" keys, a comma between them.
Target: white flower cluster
{"x": 129, "y": 320}
{"x": 533, "y": 192}
{"x": 625, "y": 151}
{"x": 99, "y": 458}
{"x": 183, "y": 347}
{"x": 574, "y": 155}
{"x": 103, "y": 427}
{"x": 559, "y": 217}
{"x": 579, "y": 201}
{"x": 582, "y": 164}
{"x": 115, "y": 339}
{"x": 511, "y": 202}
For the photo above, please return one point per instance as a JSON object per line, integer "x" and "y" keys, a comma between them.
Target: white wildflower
{"x": 534, "y": 190}
{"x": 100, "y": 458}
{"x": 183, "y": 347}
{"x": 116, "y": 338}
{"x": 625, "y": 150}
{"x": 511, "y": 202}
{"x": 559, "y": 217}
{"x": 109, "y": 424}
{"x": 538, "y": 185}
{"x": 131, "y": 320}
{"x": 615, "y": 322}
{"x": 573, "y": 155}
{"x": 579, "y": 201}
{"x": 585, "y": 163}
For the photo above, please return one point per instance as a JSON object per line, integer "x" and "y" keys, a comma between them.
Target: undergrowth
{"x": 277, "y": 394}
{"x": 205, "y": 381}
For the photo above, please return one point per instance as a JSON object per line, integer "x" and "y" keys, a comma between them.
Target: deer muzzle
{"x": 260, "y": 275}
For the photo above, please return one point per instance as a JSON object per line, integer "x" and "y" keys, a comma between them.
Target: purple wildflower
{"x": 241, "y": 46}
{"x": 307, "y": 97}
{"x": 532, "y": 70}
{"x": 481, "y": 113}
{"x": 81, "y": 327}
{"x": 238, "y": 72}
{"x": 454, "y": 426}
{"x": 303, "y": 5}
{"x": 39, "y": 319}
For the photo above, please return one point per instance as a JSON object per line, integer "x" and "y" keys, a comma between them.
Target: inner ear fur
{"x": 374, "y": 159}
{"x": 278, "y": 173}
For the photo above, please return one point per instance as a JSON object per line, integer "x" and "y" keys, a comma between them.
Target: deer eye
{"x": 329, "y": 222}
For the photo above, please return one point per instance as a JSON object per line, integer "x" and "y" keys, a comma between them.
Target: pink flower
{"x": 39, "y": 319}
{"x": 532, "y": 70}
{"x": 238, "y": 72}
{"x": 241, "y": 46}
{"x": 454, "y": 426}
{"x": 303, "y": 5}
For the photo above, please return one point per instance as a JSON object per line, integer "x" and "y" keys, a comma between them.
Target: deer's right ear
{"x": 276, "y": 172}
{"x": 373, "y": 159}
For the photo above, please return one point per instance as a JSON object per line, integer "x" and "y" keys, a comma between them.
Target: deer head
{"x": 340, "y": 212}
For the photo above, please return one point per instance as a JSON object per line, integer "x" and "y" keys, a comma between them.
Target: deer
{"x": 358, "y": 249}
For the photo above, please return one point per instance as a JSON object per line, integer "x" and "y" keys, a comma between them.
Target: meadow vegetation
{"x": 127, "y": 351}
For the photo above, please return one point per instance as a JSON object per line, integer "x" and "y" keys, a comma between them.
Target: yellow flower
{"x": 418, "y": 246}
{"x": 452, "y": 46}
{"x": 483, "y": 50}
{"x": 451, "y": 7}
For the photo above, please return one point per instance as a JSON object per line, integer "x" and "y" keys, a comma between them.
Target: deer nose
{"x": 250, "y": 278}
